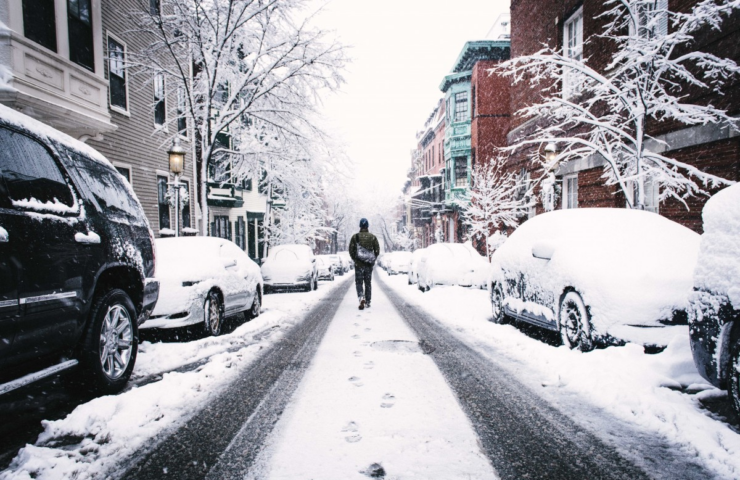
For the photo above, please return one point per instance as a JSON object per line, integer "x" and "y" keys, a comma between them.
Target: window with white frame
{"x": 573, "y": 49}
{"x": 182, "y": 105}
{"x": 160, "y": 107}
{"x": 652, "y": 19}
{"x": 651, "y": 192}
{"x": 117, "y": 74}
{"x": 570, "y": 191}
{"x": 461, "y": 106}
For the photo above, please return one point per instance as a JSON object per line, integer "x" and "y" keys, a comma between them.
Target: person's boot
{"x": 367, "y": 304}
{"x": 362, "y": 304}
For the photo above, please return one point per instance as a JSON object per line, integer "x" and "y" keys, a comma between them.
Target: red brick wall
{"x": 491, "y": 120}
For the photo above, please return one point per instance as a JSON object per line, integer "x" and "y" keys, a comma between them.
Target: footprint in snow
{"x": 355, "y": 381}
{"x": 356, "y": 324}
{"x": 355, "y": 337}
{"x": 351, "y": 430}
{"x": 369, "y": 365}
{"x": 388, "y": 401}
{"x": 357, "y": 353}
{"x": 368, "y": 329}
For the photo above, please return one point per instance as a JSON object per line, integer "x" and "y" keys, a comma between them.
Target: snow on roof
{"x": 40, "y": 129}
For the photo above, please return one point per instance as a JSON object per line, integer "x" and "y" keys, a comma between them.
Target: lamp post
{"x": 177, "y": 163}
{"x": 551, "y": 153}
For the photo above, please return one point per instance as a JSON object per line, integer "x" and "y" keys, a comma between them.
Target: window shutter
{"x": 228, "y": 231}
{"x": 213, "y": 229}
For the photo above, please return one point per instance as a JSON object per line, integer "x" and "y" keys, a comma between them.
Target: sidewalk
{"x": 372, "y": 399}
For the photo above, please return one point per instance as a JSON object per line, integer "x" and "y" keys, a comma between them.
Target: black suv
{"x": 76, "y": 260}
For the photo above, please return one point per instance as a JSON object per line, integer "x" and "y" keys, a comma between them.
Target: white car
{"x": 290, "y": 266}
{"x": 449, "y": 264}
{"x": 325, "y": 268}
{"x": 398, "y": 262}
{"x": 347, "y": 260}
{"x": 597, "y": 275}
{"x": 416, "y": 257}
{"x": 203, "y": 280}
{"x": 336, "y": 263}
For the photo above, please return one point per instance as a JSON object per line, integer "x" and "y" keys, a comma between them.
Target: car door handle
{"x": 89, "y": 238}
{"x": 4, "y": 237}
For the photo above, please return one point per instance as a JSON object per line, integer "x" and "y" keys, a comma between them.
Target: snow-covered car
{"x": 202, "y": 281}
{"x": 347, "y": 260}
{"x": 325, "y": 268}
{"x": 76, "y": 260}
{"x": 290, "y": 266}
{"x": 448, "y": 264}
{"x": 597, "y": 275}
{"x": 398, "y": 262}
{"x": 416, "y": 256}
{"x": 714, "y": 312}
{"x": 337, "y": 264}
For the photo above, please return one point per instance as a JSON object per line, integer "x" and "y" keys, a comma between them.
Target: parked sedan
{"x": 597, "y": 275}
{"x": 398, "y": 262}
{"x": 416, "y": 257}
{"x": 347, "y": 260}
{"x": 325, "y": 268}
{"x": 336, "y": 263}
{"x": 203, "y": 280}
{"x": 290, "y": 266}
{"x": 714, "y": 313}
{"x": 449, "y": 264}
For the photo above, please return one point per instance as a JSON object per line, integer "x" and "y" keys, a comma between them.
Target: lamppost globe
{"x": 551, "y": 152}
{"x": 177, "y": 157}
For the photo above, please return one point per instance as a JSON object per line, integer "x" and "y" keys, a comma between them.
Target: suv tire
{"x": 213, "y": 314}
{"x": 111, "y": 342}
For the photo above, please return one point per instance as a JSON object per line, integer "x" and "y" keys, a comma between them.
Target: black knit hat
{"x": 363, "y": 223}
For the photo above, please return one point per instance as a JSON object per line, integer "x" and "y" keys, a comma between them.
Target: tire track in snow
{"x": 224, "y": 438}
{"x": 522, "y": 436}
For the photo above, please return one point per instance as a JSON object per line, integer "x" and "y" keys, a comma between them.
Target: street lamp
{"x": 551, "y": 153}
{"x": 177, "y": 164}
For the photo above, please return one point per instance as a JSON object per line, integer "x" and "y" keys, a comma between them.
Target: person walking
{"x": 364, "y": 250}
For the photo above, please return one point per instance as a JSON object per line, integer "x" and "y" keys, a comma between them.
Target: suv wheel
{"x": 111, "y": 342}
{"x": 497, "y": 304}
{"x": 213, "y": 314}
{"x": 575, "y": 324}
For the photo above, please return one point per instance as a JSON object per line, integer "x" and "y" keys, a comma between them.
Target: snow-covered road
{"x": 372, "y": 400}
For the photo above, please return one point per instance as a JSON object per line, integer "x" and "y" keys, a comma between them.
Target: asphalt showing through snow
{"x": 522, "y": 436}
{"x": 229, "y": 432}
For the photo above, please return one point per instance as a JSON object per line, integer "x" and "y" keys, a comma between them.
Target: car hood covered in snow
{"x": 631, "y": 267}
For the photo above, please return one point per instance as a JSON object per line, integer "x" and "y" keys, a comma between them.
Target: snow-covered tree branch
{"x": 497, "y": 200}
{"x": 649, "y": 78}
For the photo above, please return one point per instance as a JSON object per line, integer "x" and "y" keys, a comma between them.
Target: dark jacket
{"x": 367, "y": 240}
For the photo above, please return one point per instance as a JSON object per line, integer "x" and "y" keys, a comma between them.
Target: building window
{"x": 461, "y": 171}
{"x": 570, "y": 191}
{"x": 81, "y": 51}
{"x": 117, "y": 74}
{"x": 162, "y": 203}
{"x": 573, "y": 49}
{"x": 651, "y": 195}
{"x": 221, "y": 227}
{"x": 160, "y": 107}
{"x": 182, "y": 107}
{"x": 240, "y": 233}
{"x": 40, "y": 23}
{"x": 461, "y": 106}
{"x": 125, "y": 173}
{"x": 154, "y": 7}
{"x": 652, "y": 19}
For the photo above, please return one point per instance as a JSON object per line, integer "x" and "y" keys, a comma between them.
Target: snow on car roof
{"x": 40, "y": 129}
{"x": 302, "y": 251}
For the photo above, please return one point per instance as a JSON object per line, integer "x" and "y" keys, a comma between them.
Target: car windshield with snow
{"x": 597, "y": 275}
{"x": 203, "y": 280}
{"x": 76, "y": 259}
{"x": 290, "y": 266}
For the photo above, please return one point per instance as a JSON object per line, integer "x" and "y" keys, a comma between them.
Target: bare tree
{"x": 241, "y": 66}
{"x": 606, "y": 114}
{"x": 496, "y": 201}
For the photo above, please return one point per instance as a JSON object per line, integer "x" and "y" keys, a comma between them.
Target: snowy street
{"x": 417, "y": 387}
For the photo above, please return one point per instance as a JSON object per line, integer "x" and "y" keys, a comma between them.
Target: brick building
{"x": 578, "y": 184}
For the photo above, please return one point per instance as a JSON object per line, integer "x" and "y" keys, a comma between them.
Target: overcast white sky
{"x": 400, "y": 50}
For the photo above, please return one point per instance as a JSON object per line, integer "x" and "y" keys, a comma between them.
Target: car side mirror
{"x": 543, "y": 250}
